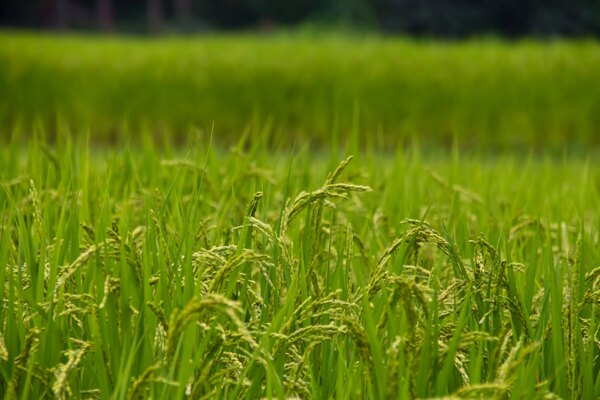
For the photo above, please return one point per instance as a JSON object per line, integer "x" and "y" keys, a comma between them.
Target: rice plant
{"x": 146, "y": 272}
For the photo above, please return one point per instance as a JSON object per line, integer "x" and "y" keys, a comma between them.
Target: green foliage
{"x": 142, "y": 272}
{"x": 448, "y": 18}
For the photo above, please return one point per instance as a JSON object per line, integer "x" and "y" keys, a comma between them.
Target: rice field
{"x": 260, "y": 265}
{"x": 482, "y": 93}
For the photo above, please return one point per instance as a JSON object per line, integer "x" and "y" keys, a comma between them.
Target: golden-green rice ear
{"x": 61, "y": 388}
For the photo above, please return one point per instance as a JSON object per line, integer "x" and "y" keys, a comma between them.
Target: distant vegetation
{"x": 430, "y": 18}
{"x": 480, "y": 93}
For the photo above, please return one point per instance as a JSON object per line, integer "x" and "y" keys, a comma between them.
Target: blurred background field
{"x": 302, "y": 88}
{"x": 506, "y": 74}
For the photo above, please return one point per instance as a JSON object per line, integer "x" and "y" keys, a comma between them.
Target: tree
{"x": 61, "y": 16}
{"x": 105, "y": 15}
{"x": 155, "y": 15}
{"x": 183, "y": 9}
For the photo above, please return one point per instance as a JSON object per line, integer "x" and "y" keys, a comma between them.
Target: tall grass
{"x": 153, "y": 273}
{"x": 483, "y": 93}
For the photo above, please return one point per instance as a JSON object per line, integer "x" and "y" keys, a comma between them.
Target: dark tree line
{"x": 454, "y": 18}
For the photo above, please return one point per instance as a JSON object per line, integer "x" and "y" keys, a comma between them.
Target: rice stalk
{"x": 199, "y": 309}
{"x": 61, "y": 388}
